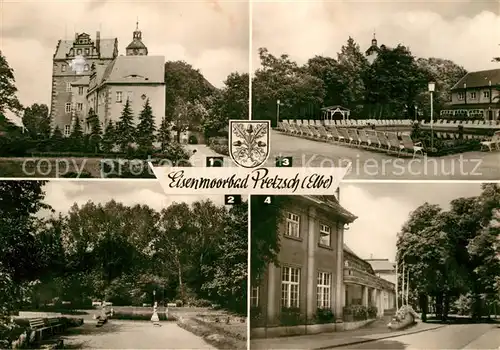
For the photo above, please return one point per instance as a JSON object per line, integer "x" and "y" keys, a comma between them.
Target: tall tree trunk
{"x": 423, "y": 302}
{"x": 439, "y": 306}
{"x": 179, "y": 273}
{"x": 446, "y": 306}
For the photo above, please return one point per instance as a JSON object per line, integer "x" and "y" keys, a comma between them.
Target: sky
{"x": 465, "y": 31}
{"x": 61, "y": 195}
{"x": 383, "y": 208}
{"x": 210, "y": 35}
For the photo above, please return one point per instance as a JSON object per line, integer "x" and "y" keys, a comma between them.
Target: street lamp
{"x": 278, "y": 102}
{"x": 432, "y": 87}
{"x": 416, "y": 113}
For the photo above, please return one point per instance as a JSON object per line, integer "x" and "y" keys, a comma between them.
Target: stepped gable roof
{"x": 135, "y": 69}
{"x": 107, "y": 48}
{"x": 479, "y": 79}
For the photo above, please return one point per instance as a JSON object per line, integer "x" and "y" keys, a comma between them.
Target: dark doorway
{"x": 490, "y": 114}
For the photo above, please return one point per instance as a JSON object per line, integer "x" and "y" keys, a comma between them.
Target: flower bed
{"x": 219, "y": 145}
{"x": 403, "y": 318}
{"x": 141, "y": 316}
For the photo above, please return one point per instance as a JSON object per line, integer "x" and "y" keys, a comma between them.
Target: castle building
{"x": 106, "y": 84}
{"x": 98, "y": 51}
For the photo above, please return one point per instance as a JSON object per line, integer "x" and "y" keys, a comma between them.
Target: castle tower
{"x": 68, "y": 82}
{"x": 372, "y": 52}
{"x": 137, "y": 47}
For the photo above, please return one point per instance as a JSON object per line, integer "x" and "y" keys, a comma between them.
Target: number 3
{"x": 267, "y": 200}
{"x": 285, "y": 162}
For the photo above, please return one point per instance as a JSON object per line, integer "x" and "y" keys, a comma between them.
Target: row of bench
{"x": 369, "y": 139}
{"x": 352, "y": 122}
{"x": 473, "y": 124}
{"x": 42, "y": 328}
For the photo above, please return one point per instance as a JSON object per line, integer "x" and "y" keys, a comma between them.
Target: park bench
{"x": 56, "y": 324}
{"x": 38, "y": 325}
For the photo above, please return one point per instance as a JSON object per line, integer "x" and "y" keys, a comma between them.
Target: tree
{"x": 265, "y": 242}
{"x": 109, "y": 137}
{"x": 188, "y": 116}
{"x": 300, "y": 94}
{"x": 352, "y": 67}
{"x": 125, "y": 130}
{"x": 95, "y": 136}
{"x": 145, "y": 131}
{"x": 76, "y": 136}
{"x": 57, "y": 139}
{"x": 226, "y": 278}
{"x": 184, "y": 83}
{"x": 8, "y": 90}
{"x": 36, "y": 120}
{"x": 330, "y": 72}
{"x": 164, "y": 135}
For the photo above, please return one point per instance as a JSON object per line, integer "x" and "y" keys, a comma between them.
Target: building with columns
{"x": 316, "y": 270}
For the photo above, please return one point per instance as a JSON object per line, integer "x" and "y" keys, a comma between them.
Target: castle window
{"x": 87, "y": 51}
{"x": 486, "y": 94}
{"x": 67, "y": 130}
{"x": 86, "y": 67}
{"x": 80, "y": 90}
{"x": 67, "y": 107}
{"x": 473, "y": 95}
{"x": 324, "y": 290}
{"x": 119, "y": 97}
{"x": 79, "y": 106}
{"x": 290, "y": 282}
{"x": 79, "y": 51}
{"x": 68, "y": 87}
{"x": 461, "y": 96}
{"x": 63, "y": 67}
{"x": 254, "y": 297}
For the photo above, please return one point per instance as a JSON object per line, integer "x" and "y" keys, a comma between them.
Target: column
{"x": 271, "y": 293}
{"x": 373, "y": 297}
{"x": 339, "y": 275}
{"x": 364, "y": 293}
{"x": 380, "y": 302}
{"x": 311, "y": 273}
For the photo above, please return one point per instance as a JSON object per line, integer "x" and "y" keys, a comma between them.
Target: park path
{"x": 117, "y": 334}
{"x": 202, "y": 152}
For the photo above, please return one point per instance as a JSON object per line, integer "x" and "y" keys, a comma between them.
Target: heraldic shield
{"x": 249, "y": 142}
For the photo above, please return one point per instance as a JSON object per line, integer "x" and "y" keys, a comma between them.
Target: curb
{"x": 362, "y": 341}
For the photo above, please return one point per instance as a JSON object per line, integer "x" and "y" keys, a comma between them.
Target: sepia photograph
{"x": 393, "y": 89}
{"x": 120, "y": 265}
{"x": 377, "y": 266}
{"x": 101, "y": 88}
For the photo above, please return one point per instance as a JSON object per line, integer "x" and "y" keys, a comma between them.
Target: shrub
{"x": 256, "y": 317}
{"x": 193, "y": 140}
{"x": 372, "y": 311}
{"x": 179, "y": 303}
{"x": 219, "y": 145}
{"x": 355, "y": 312}
{"x": 324, "y": 316}
{"x": 291, "y": 317}
{"x": 201, "y": 303}
{"x": 141, "y": 316}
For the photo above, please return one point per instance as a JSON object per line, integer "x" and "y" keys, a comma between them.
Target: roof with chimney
{"x": 479, "y": 79}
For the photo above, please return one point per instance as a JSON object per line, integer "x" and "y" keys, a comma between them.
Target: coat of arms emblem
{"x": 249, "y": 142}
{"x": 77, "y": 64}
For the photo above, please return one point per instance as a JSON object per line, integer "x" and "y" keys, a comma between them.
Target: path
{"x": 464, "y": 336}
{"x": 375, "y": 165}
{"x": 202, "y": 152}
{"x": 132, "y": 335}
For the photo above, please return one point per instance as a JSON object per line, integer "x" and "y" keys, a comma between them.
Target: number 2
{"x": 230, "y": 200}
{"x": 267, "y": 200}
{"x": 285, "y": 162}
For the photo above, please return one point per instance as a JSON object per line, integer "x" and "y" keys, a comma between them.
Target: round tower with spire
{"x": 372, "y": 52}
{"x": 137, "y": 47}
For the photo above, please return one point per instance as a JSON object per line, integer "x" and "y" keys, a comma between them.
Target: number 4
{"x": 267, "y": 200}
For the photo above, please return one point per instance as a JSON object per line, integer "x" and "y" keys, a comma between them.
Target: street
{"x": 132, "y": 335}
{"x": 463, "y": 336}
{"x": 376, "y": 165}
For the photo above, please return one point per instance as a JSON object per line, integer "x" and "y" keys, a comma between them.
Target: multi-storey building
{"x": 316, "y": 269}
{"x": 96, "y": 51}
{"x": 475, "y": 96}
{"x": 107, "y": 82}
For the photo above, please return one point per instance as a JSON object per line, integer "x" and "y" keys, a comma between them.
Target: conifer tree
{"x": 109, "y": 138}
{"x": 145, "y": 131}
{"x": 125, "y": 128}
{"x": 95, "y": 136}
{"x": 164, "y": 135}
{"x": 57, "y": 140}
{"x": 76, "y": 136}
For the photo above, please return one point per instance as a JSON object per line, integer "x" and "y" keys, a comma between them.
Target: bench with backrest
{"x": 38, "y": 326}
{"x": 56, "y": 324}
